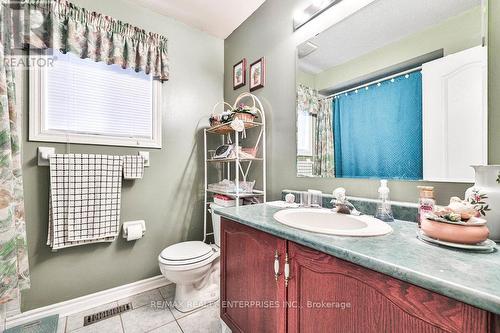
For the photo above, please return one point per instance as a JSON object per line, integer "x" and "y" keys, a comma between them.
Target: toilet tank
{"x": 216, "y": 223}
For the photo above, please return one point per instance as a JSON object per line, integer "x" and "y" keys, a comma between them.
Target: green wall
{"x": 442, "y": 36}
{"x": 494, "y": 81}
{"x": 306, "y": 79}
{"x": 169, "y": 197}
{"x": 268, "y": 32}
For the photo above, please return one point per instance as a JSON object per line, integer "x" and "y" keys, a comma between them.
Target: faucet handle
{"x": 339, "y": 194}
{"x": 342, "y": 205}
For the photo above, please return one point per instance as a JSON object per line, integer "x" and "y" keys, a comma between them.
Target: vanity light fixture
{"x": 312, "y": 11}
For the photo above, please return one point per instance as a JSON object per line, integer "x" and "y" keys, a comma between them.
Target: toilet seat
{"x": 187, "y": 255}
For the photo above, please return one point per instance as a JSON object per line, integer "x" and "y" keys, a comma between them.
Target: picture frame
{"x": 240, "y": 74}
{"x": 257, "y": 75}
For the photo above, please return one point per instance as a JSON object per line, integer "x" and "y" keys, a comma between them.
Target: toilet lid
{"x": 187, "y": 265}
{"x": 187, "y": 251}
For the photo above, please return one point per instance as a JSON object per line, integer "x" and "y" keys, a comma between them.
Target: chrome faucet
{"x": 341, "y": 204}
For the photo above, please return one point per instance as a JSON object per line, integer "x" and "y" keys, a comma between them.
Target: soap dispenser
{"x": 384, "y": 210}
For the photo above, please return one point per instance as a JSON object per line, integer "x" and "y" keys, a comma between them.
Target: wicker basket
{"x": 216, "y": 127}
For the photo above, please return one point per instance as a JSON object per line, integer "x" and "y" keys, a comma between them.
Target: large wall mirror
{"x": 397, "y": 90}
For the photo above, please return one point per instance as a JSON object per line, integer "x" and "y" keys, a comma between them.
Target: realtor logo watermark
{"x": 27, "y": 35}
{"x": 258, "y": 304}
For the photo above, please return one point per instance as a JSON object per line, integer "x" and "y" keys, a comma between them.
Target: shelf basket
{"x": 225, "y": 128}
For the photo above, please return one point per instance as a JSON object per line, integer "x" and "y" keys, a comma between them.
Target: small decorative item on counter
{"x": 459, "y": 222}
{"x": 426, "y": 202}
{"x": 289, "y": 198}
{"x": 488, "y": 246}
{"x": 478, "y": 200}
{"x": 485, "y": 195}
{"x": 465, "y": 208}
{"x": 472, "y": 232}
{"x": 452, "y": 217}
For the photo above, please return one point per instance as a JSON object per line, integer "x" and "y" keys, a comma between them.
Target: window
{"x": 82, "y": 101}
{"x": 305, "y": 132}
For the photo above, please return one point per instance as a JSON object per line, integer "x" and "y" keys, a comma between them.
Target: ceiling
{"x": 379, "y": 24}
{"x": 216, "y": 17}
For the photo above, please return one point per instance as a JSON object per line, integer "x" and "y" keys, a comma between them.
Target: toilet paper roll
{"x": 134, "y": 232}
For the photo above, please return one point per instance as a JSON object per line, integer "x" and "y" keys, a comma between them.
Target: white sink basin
{"x": 326, "y": 221}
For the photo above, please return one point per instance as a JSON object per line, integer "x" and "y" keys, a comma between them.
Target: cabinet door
{"x": 251, "y": 298}
{"x": 326, "y": 294}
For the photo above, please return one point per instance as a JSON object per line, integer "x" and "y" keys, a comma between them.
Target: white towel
{"x": 84, "y": 199}
{"x": 133, "y": 167}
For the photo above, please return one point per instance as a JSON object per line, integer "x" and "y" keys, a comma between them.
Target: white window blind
{"x": 90, "y": 97}
{"x": 82, "y": 101}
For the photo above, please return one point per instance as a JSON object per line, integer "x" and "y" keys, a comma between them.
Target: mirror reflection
{"x": 396, "y": 91}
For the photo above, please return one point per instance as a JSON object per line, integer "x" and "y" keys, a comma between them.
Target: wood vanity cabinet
{"x": 326, "y": 294}
{"x": 251, "y": 296}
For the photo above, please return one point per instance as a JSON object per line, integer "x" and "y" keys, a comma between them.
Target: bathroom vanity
{"x": 278, "y": 279}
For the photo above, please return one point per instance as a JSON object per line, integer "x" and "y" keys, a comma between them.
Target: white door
{"x": 455, "y": 125}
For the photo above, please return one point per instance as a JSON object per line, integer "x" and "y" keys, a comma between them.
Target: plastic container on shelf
{"x": 225, "y": 201}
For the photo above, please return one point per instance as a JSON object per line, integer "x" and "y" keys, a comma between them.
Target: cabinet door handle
{"x": 287, "y": 270}
{"x": 276, "y": 265}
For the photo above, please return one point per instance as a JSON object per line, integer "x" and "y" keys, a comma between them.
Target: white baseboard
{"x": 88, "y": 301}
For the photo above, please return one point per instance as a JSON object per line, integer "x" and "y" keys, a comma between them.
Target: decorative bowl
{"x": 462, "y": 233}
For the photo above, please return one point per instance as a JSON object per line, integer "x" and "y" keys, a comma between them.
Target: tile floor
{"x": 147, "y": 318}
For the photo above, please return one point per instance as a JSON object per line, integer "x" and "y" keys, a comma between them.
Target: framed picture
{"x": 257, "y": 74}
{"x": 240, "y": 74}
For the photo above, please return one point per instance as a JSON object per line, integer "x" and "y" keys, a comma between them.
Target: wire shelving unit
{"x": 237, "y": 169}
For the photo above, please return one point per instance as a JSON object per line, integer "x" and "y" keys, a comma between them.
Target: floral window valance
{"x": 307, "y": 99}
{"x": 61, "y": 25}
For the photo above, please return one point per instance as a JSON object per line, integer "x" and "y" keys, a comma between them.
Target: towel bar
{"x": 44, "y": 154}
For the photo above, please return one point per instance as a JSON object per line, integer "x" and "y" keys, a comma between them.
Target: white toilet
{"x": 194, "y": 267}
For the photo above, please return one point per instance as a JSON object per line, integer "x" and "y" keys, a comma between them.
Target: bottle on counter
{"x": 384, "y": 210}
{"x": 426, "y": 202}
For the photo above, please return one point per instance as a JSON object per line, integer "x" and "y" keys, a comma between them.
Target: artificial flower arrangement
{"x": 460, "y": 222}
{"x": 462, "y": 211}
{"x": 242, "y": 111}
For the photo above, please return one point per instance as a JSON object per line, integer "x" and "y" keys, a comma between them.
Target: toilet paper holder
{"x": 129, "y": 224}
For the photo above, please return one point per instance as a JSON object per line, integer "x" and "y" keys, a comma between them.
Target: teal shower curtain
{"x": 378, "y": 130}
